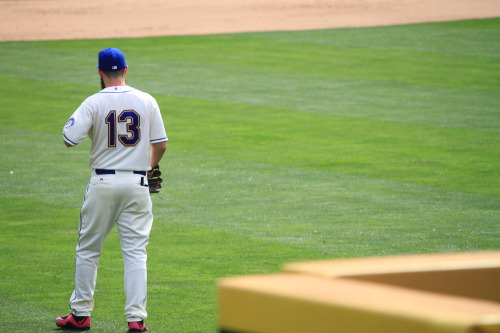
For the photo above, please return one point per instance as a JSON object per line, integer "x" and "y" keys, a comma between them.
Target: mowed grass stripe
{"x": 442, "y": 157}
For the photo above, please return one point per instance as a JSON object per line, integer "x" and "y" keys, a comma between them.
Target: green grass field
{"x": 284, "y": 146}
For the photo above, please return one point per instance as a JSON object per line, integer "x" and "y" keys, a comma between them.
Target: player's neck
{"x": 107, "y": 82}
{"x": 115, "y": 83}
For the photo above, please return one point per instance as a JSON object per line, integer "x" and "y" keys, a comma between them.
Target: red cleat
{"x": 70, "y": 322}
{"x": 137, "y": 326}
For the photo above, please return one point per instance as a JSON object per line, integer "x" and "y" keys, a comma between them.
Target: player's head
{"x": 111, "y": 59}
{"x": 112, "y": 64}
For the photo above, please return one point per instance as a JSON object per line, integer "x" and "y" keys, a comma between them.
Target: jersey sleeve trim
{"x": 69, "y": 141}
{"x": 159, "y": 140}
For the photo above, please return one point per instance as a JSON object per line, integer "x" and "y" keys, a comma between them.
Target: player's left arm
{"x": 78, "y": 125}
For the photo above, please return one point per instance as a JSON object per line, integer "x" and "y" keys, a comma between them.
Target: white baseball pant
{"x": 124, "y": 200}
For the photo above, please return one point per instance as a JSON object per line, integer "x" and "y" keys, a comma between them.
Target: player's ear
{"x": 125, "y": 70}
{"x": 101, "y": 73}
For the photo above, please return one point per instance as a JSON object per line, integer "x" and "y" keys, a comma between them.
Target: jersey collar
{"x": 117, "y": 89}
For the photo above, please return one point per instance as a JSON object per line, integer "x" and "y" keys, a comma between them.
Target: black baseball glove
{"x": 154, "y": 180}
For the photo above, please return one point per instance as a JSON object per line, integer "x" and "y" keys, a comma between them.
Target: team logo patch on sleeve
{"x": 70, "y": 123}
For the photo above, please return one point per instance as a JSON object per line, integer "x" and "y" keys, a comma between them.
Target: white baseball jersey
{"x": 117, "y": 119}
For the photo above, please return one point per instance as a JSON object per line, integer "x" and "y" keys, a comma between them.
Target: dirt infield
{"x": 81, "y": 19}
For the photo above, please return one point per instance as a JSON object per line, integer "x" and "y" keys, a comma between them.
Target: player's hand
{"x": 154, "y": 179}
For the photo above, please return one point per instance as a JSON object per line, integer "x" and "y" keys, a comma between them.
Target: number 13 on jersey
{"x": 132, "y": 120}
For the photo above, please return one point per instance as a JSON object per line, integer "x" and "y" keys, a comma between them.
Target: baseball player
{"x": 128, "y": 140}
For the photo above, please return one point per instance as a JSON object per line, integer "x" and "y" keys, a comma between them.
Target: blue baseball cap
{"x": 111, "y": 59}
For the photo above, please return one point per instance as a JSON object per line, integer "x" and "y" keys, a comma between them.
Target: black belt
{"x": 112, "y": 172}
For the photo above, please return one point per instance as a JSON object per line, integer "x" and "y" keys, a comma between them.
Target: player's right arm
{"x": 157, "y": 151}
{"x": 158, "y": 135}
